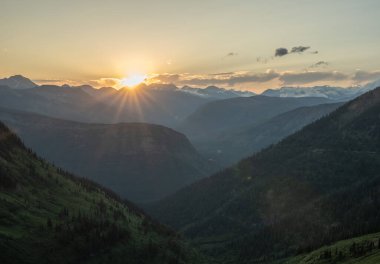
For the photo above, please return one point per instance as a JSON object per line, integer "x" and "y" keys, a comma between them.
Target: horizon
{"x": 147, "y": 84}
{"x": 242, "y": 45}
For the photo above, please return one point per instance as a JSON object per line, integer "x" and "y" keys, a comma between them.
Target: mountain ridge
{"x": 139, "y": 161}
{"x": 49, "y": 215}
{"x": 18, "y": 82}
{"x": 324, "y": 176}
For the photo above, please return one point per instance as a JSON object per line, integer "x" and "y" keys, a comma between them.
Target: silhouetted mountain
{"x": 57, "y": 101}
{"x": 319, "y": 185}
{"x": 17, "y": 82}
{"x": 230, "y": 147}
{"x": 141, "y": 162}
{"x": 226, "y": 115}
{"x": 106, "y": 105}
{"x": 50, "y": 216}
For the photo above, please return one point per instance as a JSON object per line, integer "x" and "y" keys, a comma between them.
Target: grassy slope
{"x": 341, "y": 253}
{"x": 48, "y": 215}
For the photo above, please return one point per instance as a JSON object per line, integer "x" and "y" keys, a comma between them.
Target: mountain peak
{"x": 18, "y": 82}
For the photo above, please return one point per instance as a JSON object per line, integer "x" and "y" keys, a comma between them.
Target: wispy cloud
{"x": 290, "y": 78}
{"x": 228, "y": 78}
{"x": 231, "y": 54}
{"x": 320, "y": 64}
{"x": 105, "y": 82}
{"x": 165, "y": 78}
{"x": 299, "y": 49}
{"x": 283, "y": 78}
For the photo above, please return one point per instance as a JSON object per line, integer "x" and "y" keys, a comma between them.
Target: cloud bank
{"x": 283, "y": 78}
{"x": 247, "y": 80}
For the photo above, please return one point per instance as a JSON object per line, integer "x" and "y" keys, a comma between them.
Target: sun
{"x": 133, "y": 80}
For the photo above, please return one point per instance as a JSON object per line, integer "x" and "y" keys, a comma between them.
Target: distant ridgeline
{"x": 317, "y": 186}
{"x": 140, "y": 162}
{"x": 50, "y": 216}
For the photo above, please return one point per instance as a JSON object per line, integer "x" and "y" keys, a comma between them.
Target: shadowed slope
{"x": 142, "y": 162}
{"x": 319, "y": 185}
{"x": 48, "y": 215}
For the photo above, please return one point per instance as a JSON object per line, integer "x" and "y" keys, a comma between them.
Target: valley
{"x": 189, "y": 132}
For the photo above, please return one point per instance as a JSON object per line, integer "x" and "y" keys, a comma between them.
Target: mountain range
{"x": 141, "y": 162}
{"x": 222, "y": 115}
{"x": 233, "y": 145}
{"x": 317, "y": 186}
{"x": 156, "y": 103}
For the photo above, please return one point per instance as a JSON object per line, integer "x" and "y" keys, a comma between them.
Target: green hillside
{"x": 358, "y": 250}
{"x": 49, "y": 216}
{"x": 317, "y": 186}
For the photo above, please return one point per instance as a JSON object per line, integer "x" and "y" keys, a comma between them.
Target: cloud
{"x": 320, "y": 64}
{"x": 164, "y": 78}
{"x": 289, "y": 78}
{"x": 365, "y": 76}
{"x": 281, "y": 52}
{"x": 268, "y": 79}
{"x": 44, "y": 81}
{"x": 253, "y": 77}
{"x": 299, "y": 49}
{"x": 226, "y": 78}
{"x": 104, "y": 82}
{"x": 231, "y": 54}
{"x": 221, "y": 73}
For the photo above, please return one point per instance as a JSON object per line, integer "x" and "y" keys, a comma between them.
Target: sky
{"x": 229, "y": 43}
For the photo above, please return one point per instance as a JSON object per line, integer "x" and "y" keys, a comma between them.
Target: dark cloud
{"x": 289, "y": 78}
{"x": 299, "y": 49}
{"x": 319, "y": 64}
{"x": 284, "y": 51}
{"x": 362, "y": 76}
{"x": 281, "y": 52}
